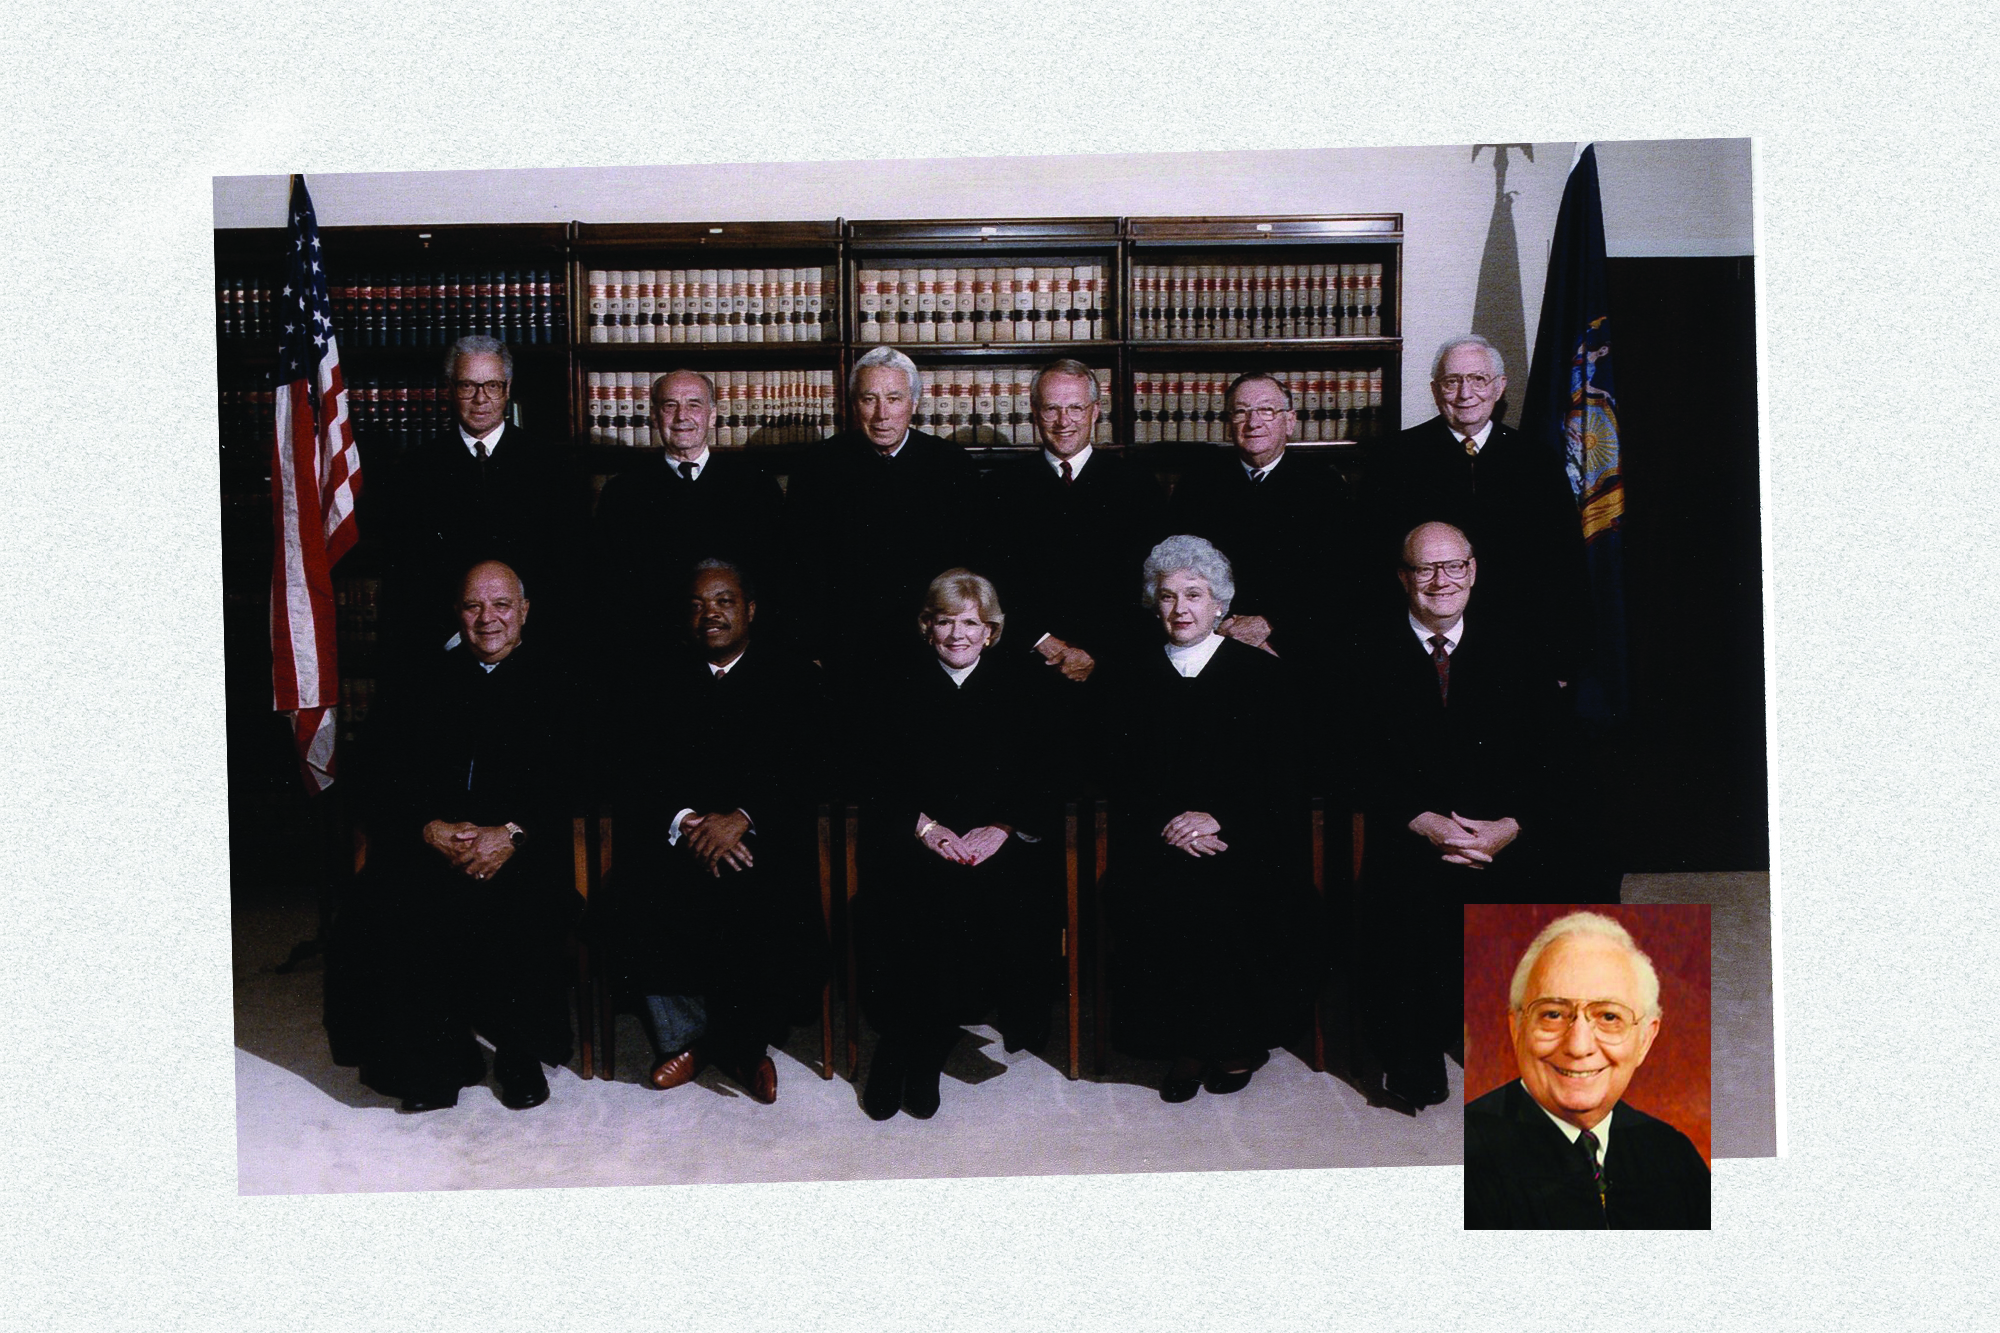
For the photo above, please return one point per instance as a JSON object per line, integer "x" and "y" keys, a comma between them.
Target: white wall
{"x": 1661, "y": 197}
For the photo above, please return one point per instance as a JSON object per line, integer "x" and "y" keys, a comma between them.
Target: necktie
{"x": 1067, "y": 475}
{"x": 687, "y": 471}
{"x": 1256, "y": 478}
{"x": 480, "y": 445}
{"x": 1441, "y": 659}
{"x": 1588, "y": 1142}
{"x": 1471, "y": 447}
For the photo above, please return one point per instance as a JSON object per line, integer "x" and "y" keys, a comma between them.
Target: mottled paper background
{"x": 1875, "y": 134}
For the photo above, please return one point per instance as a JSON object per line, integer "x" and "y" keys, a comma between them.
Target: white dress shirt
{"x": 958, "y": 674}
{"x": 700, "y": 462}
{"x": 1452, "y": 634}
{"x": 1075, "y": 461}
{"x": 491, "y": 439}
{"x": 1259, "y": 473}
{"x": 1477, "y": 437}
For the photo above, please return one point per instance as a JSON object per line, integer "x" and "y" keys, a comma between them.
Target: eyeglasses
{"x": 1239, "y": 415}
{"x": 1059, "y": 412}
{"x": 1551, "y": 1017}
{"x": 1453, "y": 571}
{"x": 1476, "y": 383}
{"x": 473, "y": 388}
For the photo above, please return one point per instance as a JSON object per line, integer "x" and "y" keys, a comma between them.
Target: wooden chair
{"x": 594, "y": 860}
{"x": 1073, "y": 996}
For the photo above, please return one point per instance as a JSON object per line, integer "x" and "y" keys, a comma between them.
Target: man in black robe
{"x": 483, "y": 490}
{"x": 712, "y": 915}
{"x": 1285, "y": 521}
{"x": 460, "y": 919}
{"x": 1460, "y": 792}
{"x": 875, "y": 514}
{"x": 655, "y": 521}
{"x": 1513, "y": 500}
{"x": 1069, "y": 531}
{"x": 1560, "y": 1148}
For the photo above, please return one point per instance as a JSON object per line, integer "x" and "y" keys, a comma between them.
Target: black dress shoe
{"x": 430, "y": 1099}
{"x": 1417, "y": 1096}
{"x": 522, "y": 1083}
{"x": 1182, "y": 1082}
{"x": 920, "y": 1091}
{"x": 1223, "y": 1082}
{"x": 883, "y": 1096}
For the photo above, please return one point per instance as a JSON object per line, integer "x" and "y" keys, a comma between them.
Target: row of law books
{"x": 355, "y": 610}
{"x": 1188, "y": 407}
{"x": 1193, "y": 302}
{"x": 709, "y": 305}
{"x": 989, "y": 406}
{"x": 981, "y": 305}
{"x": 754, "y": 408}
{"x": 247, "y": 422}
{"x": 435, "y": 308}
{"x": 398, "y": 411}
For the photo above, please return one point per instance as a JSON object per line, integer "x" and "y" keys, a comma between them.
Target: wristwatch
{"x": 516, "y": 832}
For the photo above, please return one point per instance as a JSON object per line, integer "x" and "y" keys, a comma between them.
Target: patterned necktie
{"x": 1588, "y": 1142}
{"x": 1471, "y": 447}
{"x": 1067, "y": 475}
{"x": 1441, "y": 659}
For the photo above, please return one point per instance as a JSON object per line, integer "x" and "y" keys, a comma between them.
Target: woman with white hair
{"x": 1215, "y": 925}
{"x": 956, "y": 909}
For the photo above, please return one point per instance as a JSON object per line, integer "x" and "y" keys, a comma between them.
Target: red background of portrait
{"x": 1673, "y": 1084}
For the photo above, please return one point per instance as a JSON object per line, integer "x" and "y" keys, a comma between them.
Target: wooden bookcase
{"x": 392, "y": 365}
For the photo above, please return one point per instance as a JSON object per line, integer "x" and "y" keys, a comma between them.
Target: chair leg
{"x": 1072, "y": 939}
{"x": 586, "y": 1011}
{"x": 1100, "y": 1027}
{"x": 1318, "y": 1061}
{"x": 852, "y": 831}
{"x": 826, "y": 932}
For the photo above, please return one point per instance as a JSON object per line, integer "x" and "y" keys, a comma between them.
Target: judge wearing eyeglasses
{"x": 1461, "y": 783}
{"x": 1560, "y": 1148}
{"x": 482, "y": 489}
{"x": 1467, "y": 467}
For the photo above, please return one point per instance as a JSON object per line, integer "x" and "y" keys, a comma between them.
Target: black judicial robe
{"x": 1214, "y": 956}
{"x": 1290, "y": 540}
{"x": 1496, "y": 749}
{"x": 424, "y": 952}
{"x": 1067, "y": 559}
{"x": 653, "y": 526}
{"x": 939, "y": 942}
{"x": 1515, "y": 504}
{"x": 869, "y": 534}
{"x": 442, "y": 511}
{"x": 751, "y": 941}
{"x": 1521, "y": 1172}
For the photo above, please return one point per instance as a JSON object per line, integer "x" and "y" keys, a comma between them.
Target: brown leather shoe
{"x": 678, "y": 1069}
{"x": 763, "y": 1084}
{"x": 758, "y": 1077}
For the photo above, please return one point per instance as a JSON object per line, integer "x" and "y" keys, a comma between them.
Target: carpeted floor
{"x": 307, "y": 1126}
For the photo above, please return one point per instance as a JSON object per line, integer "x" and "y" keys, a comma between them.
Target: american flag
{"x": 315, "y": 477}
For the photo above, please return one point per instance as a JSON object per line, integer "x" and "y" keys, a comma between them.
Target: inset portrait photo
{"x": 1587, "y": 1067}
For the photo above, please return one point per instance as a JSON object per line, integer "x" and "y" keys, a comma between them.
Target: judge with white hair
{"x": 1215, "y": 932}
{"x": 1560, "y": 1148}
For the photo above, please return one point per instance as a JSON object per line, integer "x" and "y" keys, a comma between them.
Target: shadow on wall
{"x": 1497, "y": 313}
